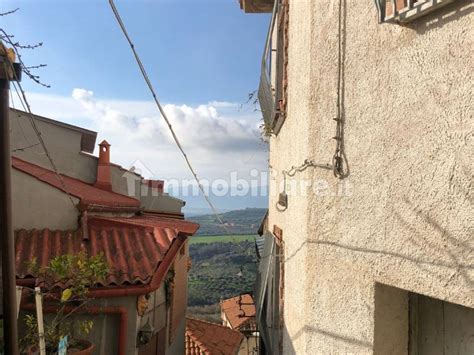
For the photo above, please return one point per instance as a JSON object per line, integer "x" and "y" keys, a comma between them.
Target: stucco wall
{"x": 38, "y": 205}
{"x": 64, "y": 146}
{"x": 62, "y": 143}
{"x": 105, "y": 331}
{"x": 404, "y": 215}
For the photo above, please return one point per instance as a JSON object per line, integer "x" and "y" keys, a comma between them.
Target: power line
{"x": 163, "y": 114}
{"x": 24, "y": 102}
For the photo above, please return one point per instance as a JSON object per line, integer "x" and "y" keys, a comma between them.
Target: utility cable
{"x": 340, "y": 165}
{"x": 24, "y": 102}
{"x": 165, "y": 117}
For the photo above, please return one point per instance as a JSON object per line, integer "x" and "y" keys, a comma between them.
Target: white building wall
{"x": 405, "y": 218}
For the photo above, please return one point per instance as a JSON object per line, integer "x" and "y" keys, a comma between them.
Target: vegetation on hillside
{"x": 244, "y": 221}
{"x": 222, "y": 238}
{"x": 220, "y": 270}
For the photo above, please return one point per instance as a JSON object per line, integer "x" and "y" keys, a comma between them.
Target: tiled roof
{"x": 240, "y": 312}
{"x": 88, "y": 194}
{"x": 134, "y": 251}
{"x": 151, "y": 220}
{"x": 211, "y": 339}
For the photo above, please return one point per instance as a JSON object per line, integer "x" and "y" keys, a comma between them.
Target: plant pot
{"x": 86, "y": 348}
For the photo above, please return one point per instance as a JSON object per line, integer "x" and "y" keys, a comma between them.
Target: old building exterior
{"x": 374, "y": 225}
{"x": 205, "y": 338}
{"x": 238, "y": 313}
{"x": 99, "y": 207}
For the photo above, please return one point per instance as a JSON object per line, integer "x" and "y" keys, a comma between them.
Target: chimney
{"x": 152, "y": 187}
{"x": 103, "y": 179}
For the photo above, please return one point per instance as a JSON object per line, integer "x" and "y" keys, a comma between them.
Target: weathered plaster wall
{"x": 105, "y": 331}
{"x": 38, "y": 205}
{"x": 249, "y": 345}
{"x": 64, "y": 146}
{"x": 404, "y": 215}
{"x": 289, "y": 148}
{"x": 62, "y": 143}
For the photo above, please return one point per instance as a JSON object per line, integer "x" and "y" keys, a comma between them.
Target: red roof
{"x": 209, "y": 338}
{"x": 134, "y": 251}
{"x": 240, "y": 312}
{"x": 88, "y": 194}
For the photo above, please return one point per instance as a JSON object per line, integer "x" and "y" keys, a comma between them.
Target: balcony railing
{"x": 267, "y": 95}
{"x": 406, "y": 10}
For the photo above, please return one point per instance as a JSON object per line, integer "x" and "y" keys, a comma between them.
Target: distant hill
{"x": 244, "y": 221}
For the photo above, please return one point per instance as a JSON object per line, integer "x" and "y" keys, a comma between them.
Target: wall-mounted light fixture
{"x": 145, "y": 333}
{"x": 283, "y": 200}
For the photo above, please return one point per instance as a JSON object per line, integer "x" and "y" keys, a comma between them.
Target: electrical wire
{"x": 24, "y": 102}
{"x": 340, "y": 164}
{"x": 165, "y": 117}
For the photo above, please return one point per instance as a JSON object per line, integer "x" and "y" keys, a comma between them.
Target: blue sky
{"x": 203, "y": 57}
{"x": 195, "y": 50}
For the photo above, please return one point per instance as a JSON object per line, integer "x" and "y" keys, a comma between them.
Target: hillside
{"x": 222, "y": 268}
{"x": 244, "y": 221}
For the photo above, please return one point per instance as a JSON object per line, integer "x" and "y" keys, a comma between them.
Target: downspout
{"x": 120, "y": 310}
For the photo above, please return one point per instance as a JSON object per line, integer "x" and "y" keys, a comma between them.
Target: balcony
{"x": 256, "y": 6}
{"x": 404, "y": 11}
{"x": 272, "y": 88}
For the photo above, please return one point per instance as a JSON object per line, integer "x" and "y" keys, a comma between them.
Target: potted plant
{"x": 64, "y": 282}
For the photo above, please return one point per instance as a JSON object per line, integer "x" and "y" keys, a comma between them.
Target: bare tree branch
{"x": 9, "y": 12}
{"x": 4, "y": 36}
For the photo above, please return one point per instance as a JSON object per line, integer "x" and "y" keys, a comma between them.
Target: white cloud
{"x": 219, "y": 137}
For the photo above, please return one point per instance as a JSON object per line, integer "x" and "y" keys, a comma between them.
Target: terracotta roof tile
{"x": 88, "y": 194}
{"x": 209, "y": 338}
{"x": 134, "y": 251}
{"x": 240, "y": 311}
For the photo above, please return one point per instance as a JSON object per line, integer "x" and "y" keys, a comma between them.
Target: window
{"x": 407, "y": 322}
{"x": 406, "y": 10}
{"x": 272, "y": 92}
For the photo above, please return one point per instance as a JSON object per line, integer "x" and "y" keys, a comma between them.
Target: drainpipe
{"x": 120, "y": 310}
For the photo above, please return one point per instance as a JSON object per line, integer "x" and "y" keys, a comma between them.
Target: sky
{"x": 202, "y": 56}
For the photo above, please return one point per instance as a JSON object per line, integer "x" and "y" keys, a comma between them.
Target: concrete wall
{"x": 179, "y": 302}
{"x": 37, "y": 205}
{"x": 105, "y": 331}
{"x": 249, "y": 345}
{"x": 64, "y": 145}
{"x": 404, "y": 215}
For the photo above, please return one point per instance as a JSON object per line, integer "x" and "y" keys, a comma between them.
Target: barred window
{"x": 406, "y": 10}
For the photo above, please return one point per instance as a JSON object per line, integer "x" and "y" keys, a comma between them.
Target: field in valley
{"x": 221, "y": 239}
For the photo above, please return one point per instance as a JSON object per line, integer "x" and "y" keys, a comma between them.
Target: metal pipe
{"x": 7, "y": 246}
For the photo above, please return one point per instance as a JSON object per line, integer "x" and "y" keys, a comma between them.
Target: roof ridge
{"x": 205, "y": 321}
{"x": 211, "y": 323}
{"x": 238, "y": 296}
{"x": 26, "y": 169}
